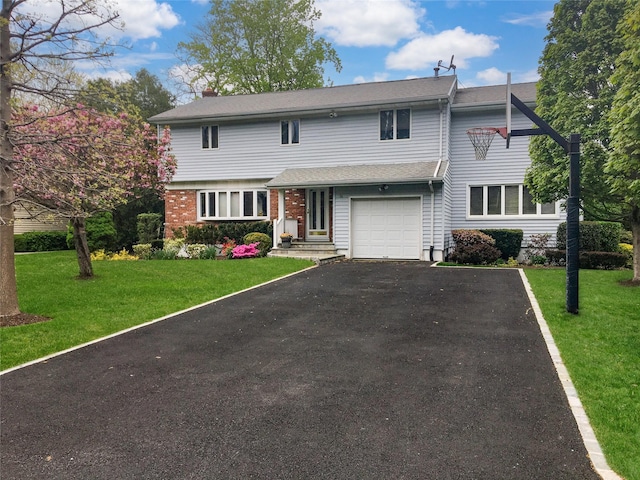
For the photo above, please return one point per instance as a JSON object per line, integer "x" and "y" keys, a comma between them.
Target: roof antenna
{"x": 450, "y": 67}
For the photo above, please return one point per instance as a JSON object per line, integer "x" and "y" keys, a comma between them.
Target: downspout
{"x": 433, "y": 209}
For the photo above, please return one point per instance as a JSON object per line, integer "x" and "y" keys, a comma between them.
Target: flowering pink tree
{"x": 76, "y": 162}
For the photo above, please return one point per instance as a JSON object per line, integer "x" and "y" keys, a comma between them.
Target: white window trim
{"x": 395, "y": 125}
{"x": 241, "y": 192}
{"x": 290, "y": 126}
{"x": 503, "y": 216}
{"x": 210, "y": 147}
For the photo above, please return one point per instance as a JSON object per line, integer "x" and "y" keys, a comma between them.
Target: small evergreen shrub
{"x": 211, "y": 234}
{"x": 474, "y": 247}
{"x": 148, "y": 227}
{"x": 594, "y": 236}
{"x": 626, "y": 237}
{"x": 40, "y": 241}
{"x": 627, "y": 249}
{"x": 508, "y": 241}
{"x": 262, "y": 239}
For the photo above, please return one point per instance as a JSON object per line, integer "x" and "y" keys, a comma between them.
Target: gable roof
{"x": 476, "y": 97}
{"x": 370, "y": 174}
{"x": 317, "y": 100}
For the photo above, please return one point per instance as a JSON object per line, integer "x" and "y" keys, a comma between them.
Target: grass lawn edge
{"x": 589, "y": 439}
{"x": 145, "y": 324}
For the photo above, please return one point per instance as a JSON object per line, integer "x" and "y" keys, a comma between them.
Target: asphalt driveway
{"x": 352, "y": 370}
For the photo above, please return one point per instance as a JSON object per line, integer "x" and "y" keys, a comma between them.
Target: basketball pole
{"x": 572, "y": 147}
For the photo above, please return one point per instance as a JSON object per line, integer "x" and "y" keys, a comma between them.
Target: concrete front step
{"x": 317, "y": 252}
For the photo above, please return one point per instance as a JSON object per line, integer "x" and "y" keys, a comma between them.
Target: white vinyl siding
{"x": 253, "y": 150}
{"x": 502, "y": 167}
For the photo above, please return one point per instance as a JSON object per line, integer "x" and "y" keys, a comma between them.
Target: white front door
{"x": 317, "y": 214}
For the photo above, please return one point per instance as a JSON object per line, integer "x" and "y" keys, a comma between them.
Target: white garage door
{"x": 386, "y": 228}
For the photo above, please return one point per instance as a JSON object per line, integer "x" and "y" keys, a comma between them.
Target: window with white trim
{"x": 209, "y": 135}
{"x": 506, "y": 201}
{"x": 290, "y": 132}
{"x": 233, "y": 204}
{"x": 395, "y": 124}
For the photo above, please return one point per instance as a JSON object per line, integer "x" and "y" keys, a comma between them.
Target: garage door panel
{"x": 386, "y": 228}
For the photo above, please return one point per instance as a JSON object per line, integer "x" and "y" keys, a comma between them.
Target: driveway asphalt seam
{"x": 584, "y": 426}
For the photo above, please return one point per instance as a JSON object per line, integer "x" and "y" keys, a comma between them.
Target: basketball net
{"x": 481, "y": 138}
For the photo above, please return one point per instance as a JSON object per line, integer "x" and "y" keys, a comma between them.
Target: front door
{"x": 317, "y": 214}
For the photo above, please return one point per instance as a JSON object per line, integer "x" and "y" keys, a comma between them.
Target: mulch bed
{"x": 21, "y": 319}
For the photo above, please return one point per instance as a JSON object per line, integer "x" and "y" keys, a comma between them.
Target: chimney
{"x": 209, "y": 92}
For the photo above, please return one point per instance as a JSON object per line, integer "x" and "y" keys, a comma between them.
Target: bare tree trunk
{"x": 635, "y": 230}
{"x": 8, "y": 286}
{"x": 82, "y": 247}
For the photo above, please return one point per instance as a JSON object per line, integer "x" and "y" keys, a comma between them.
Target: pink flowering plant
{"x": 246, "y": 251}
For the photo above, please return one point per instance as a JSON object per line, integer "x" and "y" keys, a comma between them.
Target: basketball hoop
{"x": 481, "y": 138}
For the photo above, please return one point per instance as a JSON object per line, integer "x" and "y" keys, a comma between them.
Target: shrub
{"x": 211, "y": 234}
{"x": 537, "y": 247}
{"x": 626, "y": 237}
{"x": 101, "y": 232}
{"x": 173, "y": 244}
{"x": 148, "y": 227}
{"x": 627, "y": 249}
{"x": 508, "y": 241}
{"x": 122, "y": 255}
{"x": 157, "y": 244}
{"x": 194, "y": 250}
{"x": 262, "y": 239}
{"x": 594, "y": 236}
{"x": 40, "y": 241}
{"x": 475, "y": 247}
{"x": 170, "y": 254}
{"x": 245, "y": 251}
{"x": 142, "y": 251}
{"x": 590, "y": 260}
{"x": 209, "y": 253}
{"x": 227, "y": 247}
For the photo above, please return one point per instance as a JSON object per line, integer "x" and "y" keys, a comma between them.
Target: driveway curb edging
{"x": 589, "y": 439}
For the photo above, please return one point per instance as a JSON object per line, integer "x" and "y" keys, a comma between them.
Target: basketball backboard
{"x": 508, "y": 110}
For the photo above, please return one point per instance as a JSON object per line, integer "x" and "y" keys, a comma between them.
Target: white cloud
{"x": 377, "y": 77}
{"x": 138, "y": 19}
{"x": 153, "y": 46}
{"x": 537, "y": 19}
{"x": 113, "y": 75}
{"x": 426, "y": 50}
{"x": 362, "y": 23}
{"x": 492, "y": 76}
{"x": 529, "y": 76}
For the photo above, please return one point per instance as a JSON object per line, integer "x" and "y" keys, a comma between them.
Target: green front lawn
{"x": 123, "y": 294}
{"x": 601, "y": 349}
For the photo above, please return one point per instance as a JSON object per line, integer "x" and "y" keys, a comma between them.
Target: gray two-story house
{"x": 375, "y": 170}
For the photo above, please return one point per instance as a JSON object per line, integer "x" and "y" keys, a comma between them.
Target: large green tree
{"x": 575, "y": 95}
{"x": 623, "y": 168}
{"x": 255, "y": 46}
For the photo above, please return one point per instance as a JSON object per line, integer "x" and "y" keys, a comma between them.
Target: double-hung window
{"x": 506, "y": 201}
{"x": 290, "y": 132}
{"x": 209, "y": 136}
{"x": 233, "y": 204}
{"x": 395, "y": 124}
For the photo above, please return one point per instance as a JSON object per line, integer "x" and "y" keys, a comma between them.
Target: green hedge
{"x": 101, "y": 233}
{"x": 594, "y": 236}
{"x": 590, "y": 260}
{"x": 40, "y": 241}
{"x": 508, "y": 241}
{"x": 211, "y": 234}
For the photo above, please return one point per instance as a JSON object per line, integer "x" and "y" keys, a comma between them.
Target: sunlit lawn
{"x": 601, "y": 349}
{"x": 122, "y": 294}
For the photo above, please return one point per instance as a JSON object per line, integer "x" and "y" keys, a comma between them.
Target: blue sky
{"x": 375, "y": 39}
